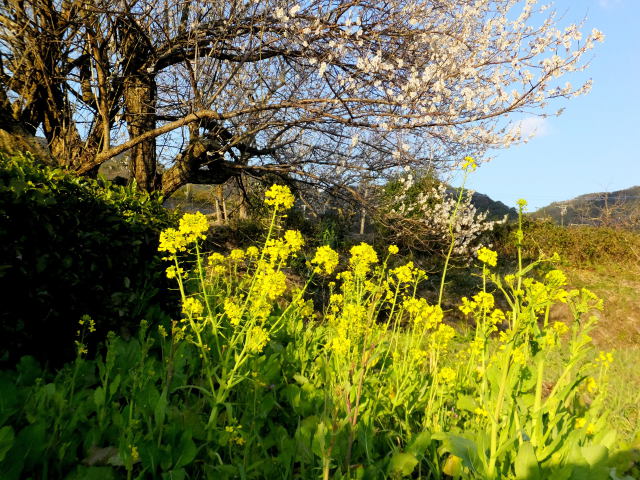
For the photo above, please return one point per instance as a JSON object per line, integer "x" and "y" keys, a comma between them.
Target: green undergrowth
{"x": 252, "y": 380}
{"x": 71, "y": 246}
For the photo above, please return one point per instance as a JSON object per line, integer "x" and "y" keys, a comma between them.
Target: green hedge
{"x": 580, "y": 245}
{"x": 71, "y": 246}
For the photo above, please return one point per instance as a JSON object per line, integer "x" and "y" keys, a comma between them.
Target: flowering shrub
{"x": 251, "y": 381}
{"x": 420, "y": 213}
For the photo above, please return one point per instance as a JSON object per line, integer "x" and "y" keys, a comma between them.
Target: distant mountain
{"x": 497, "y": 210}
{"x": 619, "y": 208}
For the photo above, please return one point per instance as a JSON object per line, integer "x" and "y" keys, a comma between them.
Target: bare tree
{"x": 327, "y": 91}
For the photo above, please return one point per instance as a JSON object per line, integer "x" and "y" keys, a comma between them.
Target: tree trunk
{"x": 140, "y": 104}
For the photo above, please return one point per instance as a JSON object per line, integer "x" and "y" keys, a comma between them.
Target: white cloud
{"x": 531, "y": 127}
{"x": 609, "y": 3}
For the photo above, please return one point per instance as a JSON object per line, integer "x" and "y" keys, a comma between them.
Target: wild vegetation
{"x": 376, "y": 324}
{"x": 251, "y": 379}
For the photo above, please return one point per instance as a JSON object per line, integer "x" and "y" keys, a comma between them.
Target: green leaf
{"x": 402, "y": 464}
{"x": 7, "y": 436}
{"x": 186, "y": 450}
{"x": 466, "y": 402}
{"x": 595, "y": 454}
{"x": 92, "y": 473}
{"x": 178, "y": 474}
{"x": 160, "y": 409}
{"x": 461, "y": 447}
{"x": 99, "y": 396}
{"x": 452, "y": 466}
{"x": 526, "y": 463}
{"x": 419, "y": 444}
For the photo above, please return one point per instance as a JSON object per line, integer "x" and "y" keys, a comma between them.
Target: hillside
{"x": 613, "y": 209}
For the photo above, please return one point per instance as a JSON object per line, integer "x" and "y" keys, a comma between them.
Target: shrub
{"x": 424, "y": 215}
{"x": 580, "y": 244}
{"x": 71, "y": 246}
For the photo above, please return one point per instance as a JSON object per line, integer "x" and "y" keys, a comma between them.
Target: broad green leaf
{"x": 461, "y": 447}
{"x": 99, "y": 396}
{"x": 419, "y": 444}
{"x": 452, "y": 466}
{"x": 7, "y": 436}
{"x": 160, "y": 409}
{"x": 466, "y": 402}
{"x": 526, "y": 463}
{"x": 595, "y": 454}
{"x": 186, "y": 450}
{"x": 402, "y": 464}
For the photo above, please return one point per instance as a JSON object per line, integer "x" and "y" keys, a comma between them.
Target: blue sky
{"x": 594, "y": 146}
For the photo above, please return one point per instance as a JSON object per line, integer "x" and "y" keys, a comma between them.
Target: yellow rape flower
{"x": 294, "y": 240}
{"x": 215, "y": 258}
{"x": 173, "y": 272}
{"x": 171, "y": 241}
{"x": 193, "y": 227}
{"x": 236, "y": 254}
{"x": 605, "y": 358}
{"x": 393, "y": 249}
{"x": 326, "y": 260}
{"x": 404, "y": 273}
{"x": 488, "y": 256}
{"x": 233, "y": 311}
{"x": 484, "y": 300}
{"x": 279, "y": 196}
{"x": 192, "y": 307}
{"x": 469, "y": 164}
{"x": 556, "y": 278}
{"x": 362, "y": 256}
{"x": 253, "y": 251}
{"x": 447, "y": 376}
{"x": 257, "y": 338}
{"x": 560, "y": 328}
{"x": 467, "y": 306}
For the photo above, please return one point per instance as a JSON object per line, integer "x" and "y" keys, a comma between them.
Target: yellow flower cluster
{"x": 89, "y": 322}
{"x": 192, "y": 227}
{"x": 233, "y": 311}
{"x": 469, "y": 164}
{"x": 326, "y": 260}
{"x": 556, "y": 278}
{"x": 279, "y": 249}
{"x": 192, "y": 307}
{"x": 442, "y": 336}
{"x": 279, "y": 196}
{"x": 605, "y": 358}
{"x": 362, "y": 257}
{"x": 272, "y": 283}
{"x": 488, "y": 256}
{"x": 236, "y": 255}
{"x": 173, "y": 272}
{"x": 482, "y": 301}
{"x": 424, "y": 316}
{"x": 447, "y": 376}
{"x": 393, "y": 249}
{"x": 257, "y": 338}
{"x": 294, "y": 240}
{"x": 404, "y": 273}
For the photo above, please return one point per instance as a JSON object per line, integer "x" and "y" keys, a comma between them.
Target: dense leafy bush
{"x": 582, "y": 244}
{"x": 71, "y": 246}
